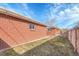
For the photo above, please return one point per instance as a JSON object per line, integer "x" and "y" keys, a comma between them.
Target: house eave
{"x": 12, "y": 14}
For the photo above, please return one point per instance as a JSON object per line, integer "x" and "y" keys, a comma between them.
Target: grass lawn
{"x": 58, "y": 46}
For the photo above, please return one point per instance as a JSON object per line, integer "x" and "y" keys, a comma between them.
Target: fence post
{"x": 75, "y": 40}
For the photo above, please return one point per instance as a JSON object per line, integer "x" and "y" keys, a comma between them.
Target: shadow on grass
{"x": 9, "y": 52}
{"x": 4, "y": 45}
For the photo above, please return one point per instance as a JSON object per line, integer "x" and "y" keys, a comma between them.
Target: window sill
{"x": 32, "y": 29}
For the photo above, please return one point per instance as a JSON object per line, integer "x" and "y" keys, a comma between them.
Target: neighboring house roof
{"x": 76, "y": 27}
{"x": 12, "y": 14}
{"x": 53, "y": 27}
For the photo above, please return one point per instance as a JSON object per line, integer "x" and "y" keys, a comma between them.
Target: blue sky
{"x": 63, "y": 15}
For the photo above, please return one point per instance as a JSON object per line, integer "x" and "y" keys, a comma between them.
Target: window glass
{"x": 49, "y": 29}
{"x": 31, "y": 26}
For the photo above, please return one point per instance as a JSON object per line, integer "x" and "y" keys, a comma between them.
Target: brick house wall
{"x": 15, "y": 31}
{"x": 54, "y": 31}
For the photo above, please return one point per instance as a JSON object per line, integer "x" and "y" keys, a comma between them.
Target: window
{"x": 32, "y": 26}
{"x": 49, "y": 29}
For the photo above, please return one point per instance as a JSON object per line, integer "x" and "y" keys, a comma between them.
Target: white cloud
{"x": 68, "y": 12}
{"x": 62, "y": 13}
{"x": 75, "y": 9}
{"x": 51, "y": 12}
{"x": 6, "y": 6}
{"x": 24, "y": 9}
{"x": 29, "y": 12}
{"x": 72, "y": 15}
{"x": 69, "y": 15}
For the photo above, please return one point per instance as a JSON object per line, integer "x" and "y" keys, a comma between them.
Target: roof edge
{"x": 13, "y": 14}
